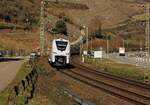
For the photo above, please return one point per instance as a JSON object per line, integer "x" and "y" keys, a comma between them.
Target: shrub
{"x": 60, "y": 27}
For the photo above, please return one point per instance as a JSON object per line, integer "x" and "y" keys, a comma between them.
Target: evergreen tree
{"x": 60, "y": 27}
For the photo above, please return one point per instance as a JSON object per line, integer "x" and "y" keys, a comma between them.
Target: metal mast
{"x": 107, "y": 47}
{"x": 42, "y": 34}
{"x": 147, "y": 39}
{"x": 87, "y": 38}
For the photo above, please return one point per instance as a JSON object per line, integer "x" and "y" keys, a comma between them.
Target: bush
{"x": 98, "y": 34}
{"x": 60, "y": 27}
{"x": 7, "y": 18}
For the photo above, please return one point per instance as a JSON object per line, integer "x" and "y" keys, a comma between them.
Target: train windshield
{"x": 61, "y": 45}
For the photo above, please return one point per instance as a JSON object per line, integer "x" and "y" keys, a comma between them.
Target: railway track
{"x": 129, "y": 90}
{"x": 114, "y": 77}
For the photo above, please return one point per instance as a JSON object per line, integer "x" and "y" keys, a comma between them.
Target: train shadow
{"x": 66, "y": 67}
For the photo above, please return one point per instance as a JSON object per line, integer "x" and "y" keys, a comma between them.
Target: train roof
{"x": 60, "y": 39}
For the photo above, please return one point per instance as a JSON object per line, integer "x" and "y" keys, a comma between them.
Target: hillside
{"x": 116, "y": 17}
{"x": 112, "y": 14}
{"x": 80, "y": 11}
{"x": 18, "y": 11}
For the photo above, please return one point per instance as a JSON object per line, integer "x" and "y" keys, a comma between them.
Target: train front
{"x": 60, "y": 55}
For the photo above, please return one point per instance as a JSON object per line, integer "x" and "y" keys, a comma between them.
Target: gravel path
{"x": 8, "y": 71}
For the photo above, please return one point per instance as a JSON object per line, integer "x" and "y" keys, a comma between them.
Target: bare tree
{"x": 95, "y": 27}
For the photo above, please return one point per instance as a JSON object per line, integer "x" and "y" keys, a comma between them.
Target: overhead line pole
{"x": 42, "y": 28}
{"x": 107, "y": 47}
{"x": 87, "y": 32}
{"x": 147, "y": 38}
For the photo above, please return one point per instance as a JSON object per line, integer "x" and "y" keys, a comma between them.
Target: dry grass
{"x": 41, "y": 100}
{"x": 49, "y": 91}
{"x": 25, "y": 69}
{"x": 111, "y": 12}
{"x": 19, "y": 39}
{"x": 124, "y": 70}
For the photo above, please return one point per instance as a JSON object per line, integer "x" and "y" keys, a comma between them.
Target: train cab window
{"x": 61, "y": 45}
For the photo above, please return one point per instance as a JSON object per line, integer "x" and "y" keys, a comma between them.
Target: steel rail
{"x": 105, "y": 87}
